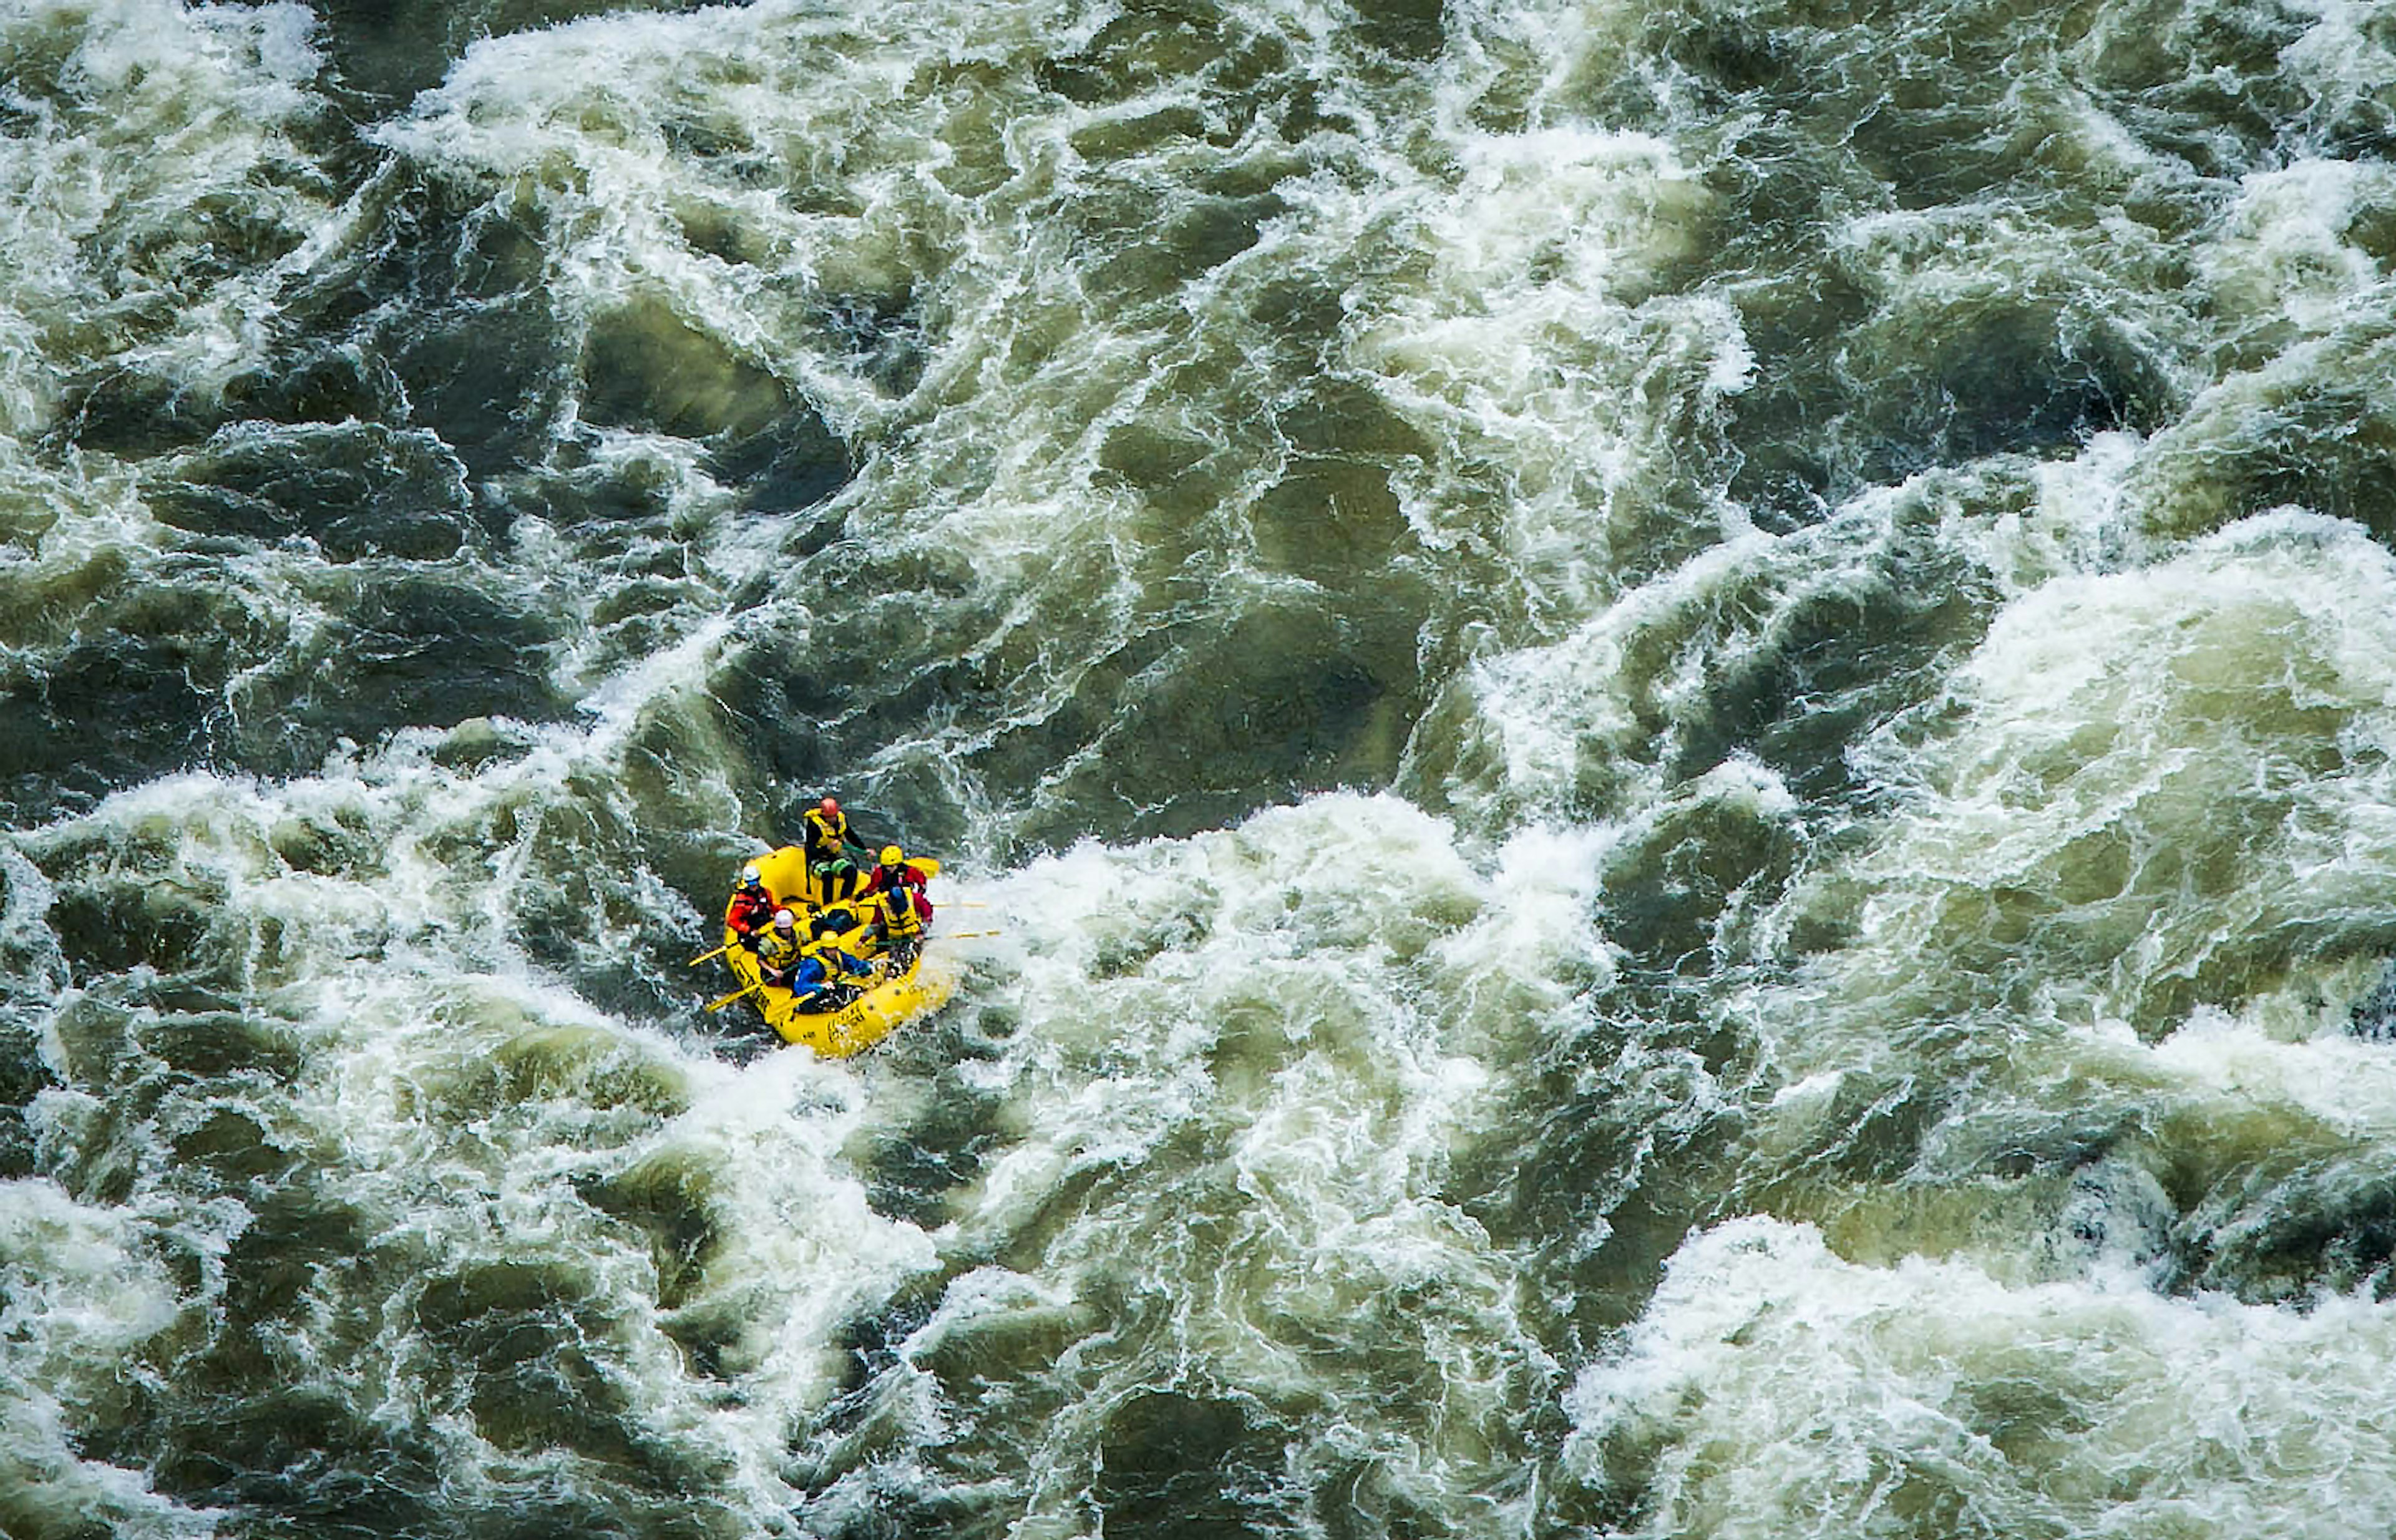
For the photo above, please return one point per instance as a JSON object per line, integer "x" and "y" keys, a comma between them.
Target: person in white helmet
{"x": 778, "y": 947}
{"x": 752, "y": 908}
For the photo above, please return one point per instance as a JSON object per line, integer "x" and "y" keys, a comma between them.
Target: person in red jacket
{"x": 752, "y": 908}
{"x": 891, "y": 871}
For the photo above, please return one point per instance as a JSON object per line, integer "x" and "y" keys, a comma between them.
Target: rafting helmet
{"x": 751, "y": 877}
{"x": 830, "y": 807}
{"x": 784, "y": 920}
{"x": 892, "y": 855}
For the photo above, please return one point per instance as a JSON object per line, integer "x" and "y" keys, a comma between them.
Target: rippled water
{"x": 1676, "y": 716}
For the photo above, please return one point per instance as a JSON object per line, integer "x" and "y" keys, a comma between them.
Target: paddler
{"x": 778, "y": 948}
{"x": 900, "y": 912}
{"x": 826, "y": 977}
{"x": 751, "y": 906}
{"x": 837, "y": 881}
{"x": 892, "y": 870}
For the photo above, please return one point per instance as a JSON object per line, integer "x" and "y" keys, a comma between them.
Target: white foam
{"x": 2133, "y": 875}
{"x": 82, "y": 1297}
{"x": 1260, "y": 1050}
{"x": 2285, "y": 252}
{"x": 1598, "y": 717}
{"x": 2343, "y": 60}
{"x": 1520, "y": 345}
{"x": 164, "y": 111}
{"x": 2112, "y": 730}
{"x": 2346, "y": 1088}
{"x": 1774, "y": 1389}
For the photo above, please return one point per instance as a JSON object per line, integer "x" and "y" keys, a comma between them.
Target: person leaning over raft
{"x": 892, "y": 870}
{"x": 899, "y": 906}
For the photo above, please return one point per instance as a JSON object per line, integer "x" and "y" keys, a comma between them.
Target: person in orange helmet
{"x": 828, "y": 836}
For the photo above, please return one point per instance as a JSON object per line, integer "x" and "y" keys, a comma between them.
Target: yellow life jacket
{"x": 839, "y": 965}
{"x": 776, "y": 949}
{"x": 827, "y": 834}
{"x": 895, "y": 909}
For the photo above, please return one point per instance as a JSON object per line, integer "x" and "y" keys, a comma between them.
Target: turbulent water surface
{"x": 1677, "y": 715}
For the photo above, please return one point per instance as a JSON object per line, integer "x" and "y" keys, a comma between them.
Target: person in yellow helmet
{"x": 892, "y": 870}
{"x": 898, "y": 908}
{"x": 827, "y": 977}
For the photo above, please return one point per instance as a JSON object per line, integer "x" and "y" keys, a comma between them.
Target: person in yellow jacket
{"x": 828, "y": 834}
{"x": 778, "y": 947}
{"x": 891, "y": 870}
{"x": 896, "y": 928}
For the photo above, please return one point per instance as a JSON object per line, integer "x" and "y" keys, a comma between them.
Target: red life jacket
{"x": 751, "y": 910}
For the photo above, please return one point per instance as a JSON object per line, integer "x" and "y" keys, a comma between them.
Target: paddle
{"x": 719, "y": 1005}
{"x": 717, "y": 952}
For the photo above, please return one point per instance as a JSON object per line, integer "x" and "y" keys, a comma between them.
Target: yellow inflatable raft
{"x": 881, "y": 1010}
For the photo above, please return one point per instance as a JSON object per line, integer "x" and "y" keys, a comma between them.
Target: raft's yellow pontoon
{"x": 873, "y": 1015}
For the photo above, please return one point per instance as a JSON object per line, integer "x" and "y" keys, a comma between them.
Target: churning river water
{"x": 1677, "y": 715}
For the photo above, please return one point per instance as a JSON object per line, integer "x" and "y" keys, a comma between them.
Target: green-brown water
{"x": 1677, "y": 717}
